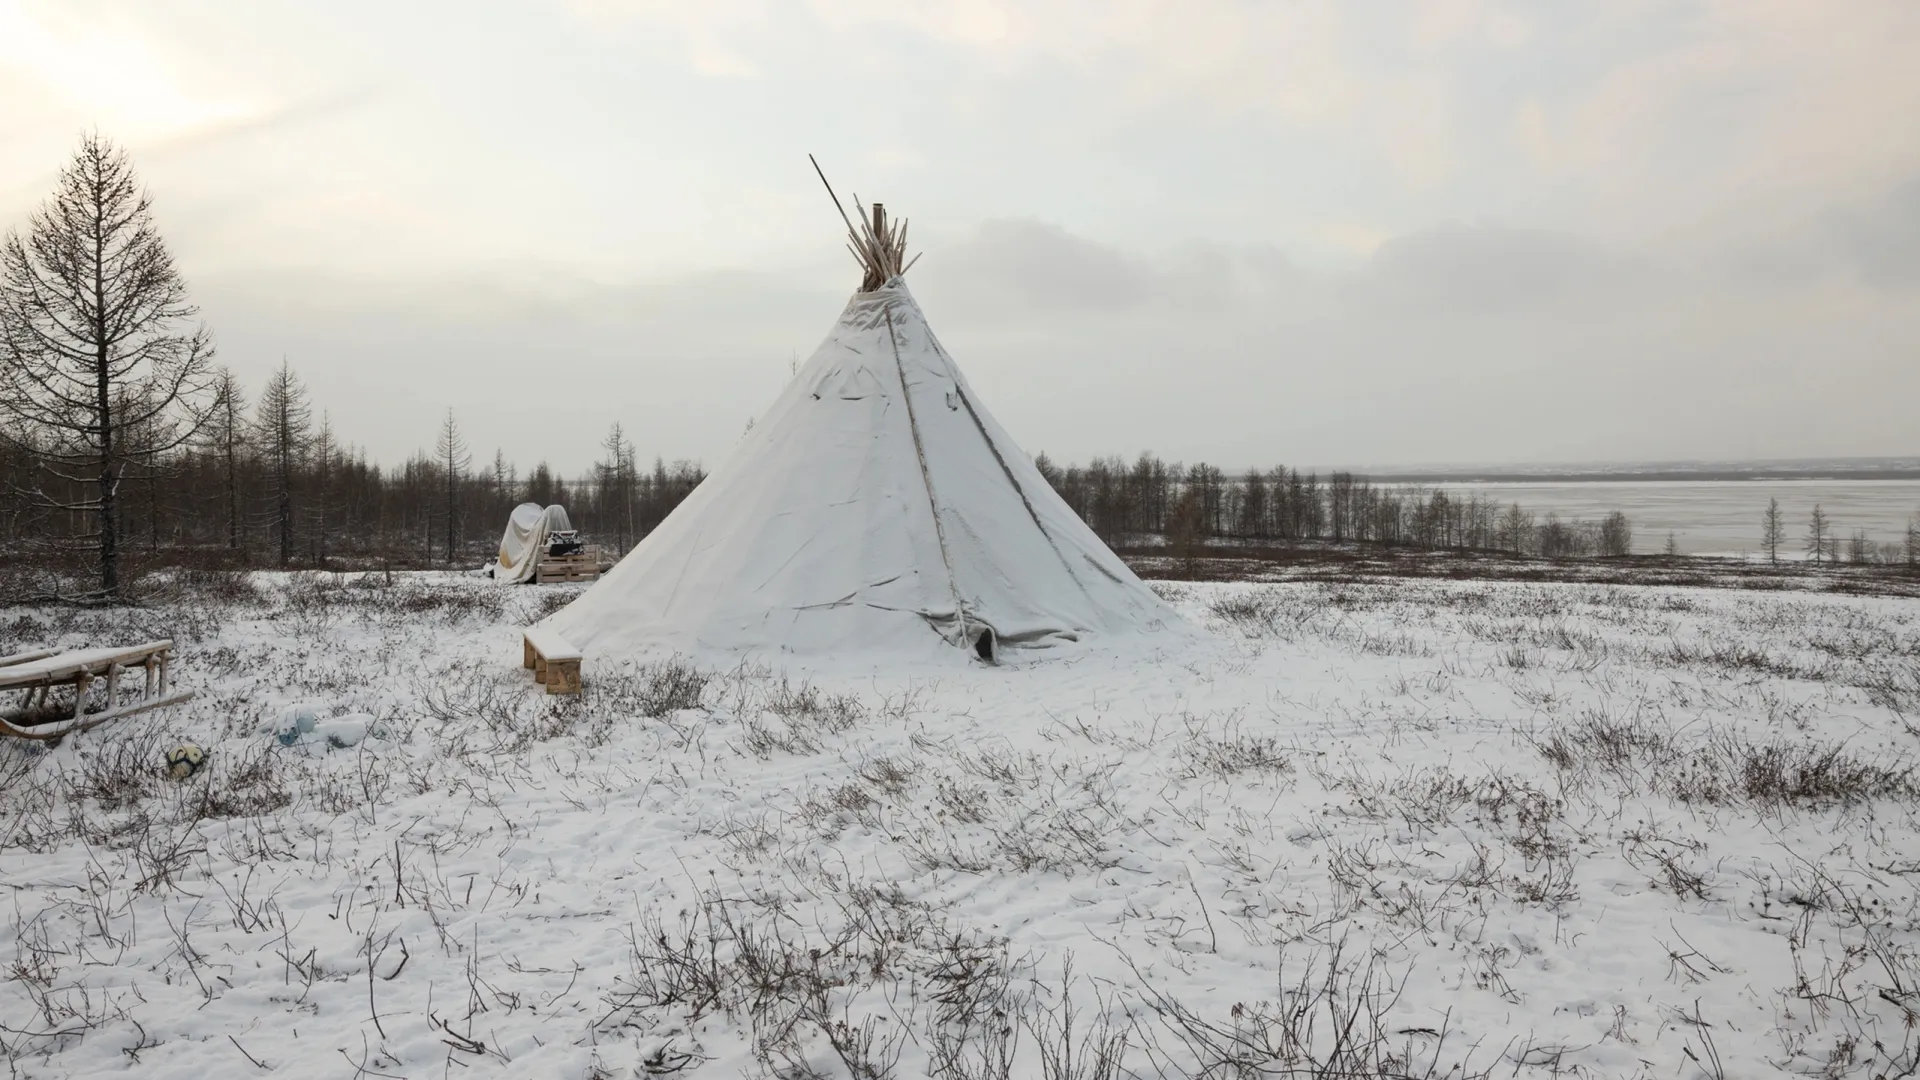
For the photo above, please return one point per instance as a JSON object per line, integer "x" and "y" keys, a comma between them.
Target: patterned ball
{"x": 184, "y": 761}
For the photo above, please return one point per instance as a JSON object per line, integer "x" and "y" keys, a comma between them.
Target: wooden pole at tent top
{"x": 878, "y": 245}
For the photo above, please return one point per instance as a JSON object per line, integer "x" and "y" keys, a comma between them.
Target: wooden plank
{"x": 23, "y": 657}
{"x": 549, "y": 645}
{"x": 63, "y": 667}
{"x": 563, "y": 677}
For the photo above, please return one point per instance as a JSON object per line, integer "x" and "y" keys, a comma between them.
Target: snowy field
{"x": 1432, "y": 828}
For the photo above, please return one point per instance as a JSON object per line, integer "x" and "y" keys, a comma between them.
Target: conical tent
{"x": 876, "y": 506}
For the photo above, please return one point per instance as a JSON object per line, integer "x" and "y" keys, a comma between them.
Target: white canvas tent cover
{"x": 877, "y": 505}
{"x": 526, "y": 540}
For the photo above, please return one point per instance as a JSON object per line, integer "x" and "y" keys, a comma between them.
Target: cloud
{"x": 1487, "y": 268}
{"x": 97, "y": 67}
{"x": 1033, "y": 266}
{"x": 1712, "y": 116}
{"x": 1639, "y": 119}
{"x": 277, "y": 120}
{"x": 1480, "y": 342}
{"x": 1020, "y": 268}
{"x": 1221, "y": 227}
{"x": 1483, "y": 342}
{"x": 1870, "y": 241}
{"x": 1880, "y": 238}
{"x": 681, "y": 362}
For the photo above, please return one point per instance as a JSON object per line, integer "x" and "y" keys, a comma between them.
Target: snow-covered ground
{"x": 1447, "y": 828}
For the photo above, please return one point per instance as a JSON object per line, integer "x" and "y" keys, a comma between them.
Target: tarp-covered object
{"x": 526, "y": 540}
{"x": 876, "y": 505}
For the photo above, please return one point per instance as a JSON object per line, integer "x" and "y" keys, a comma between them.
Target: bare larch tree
{"x": 322, "y": 455}
{"x": 1773, "y": 530}
{"x": 450, "y": 454}
{"x": 94, "y": 344}
{"x": 282, "y": 431}
{"x": 1819, "y": 532}
{"x": 227, "y": 432}
{"x": 616, "y": 475}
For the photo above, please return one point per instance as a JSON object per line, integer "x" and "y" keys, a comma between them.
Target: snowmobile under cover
{"x": 528, "y": 528}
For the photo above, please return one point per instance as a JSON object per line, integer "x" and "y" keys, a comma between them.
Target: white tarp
{"x": 526, "y": 540}
{"x": 876, "y": 506}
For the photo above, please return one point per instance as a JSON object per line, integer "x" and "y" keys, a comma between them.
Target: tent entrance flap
{"x": 983, "y": 645}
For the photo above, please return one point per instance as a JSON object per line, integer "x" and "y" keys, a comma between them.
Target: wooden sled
{"x": 36, "y": 674}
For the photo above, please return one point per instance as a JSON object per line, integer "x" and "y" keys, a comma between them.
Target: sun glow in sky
{"x": 1312, "y": 232}
{"x": 102, "y": 70}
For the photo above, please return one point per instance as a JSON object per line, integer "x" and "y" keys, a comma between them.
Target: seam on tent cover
{"x": 1095, "y": 563}
{"x": 853, "y": 602}
{"x": 959, "y": 389}
{"x": 926, "y": 477}
{"x": 784, "y": 563}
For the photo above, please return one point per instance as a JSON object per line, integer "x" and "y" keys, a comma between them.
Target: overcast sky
{"x": 1249, "y": 232}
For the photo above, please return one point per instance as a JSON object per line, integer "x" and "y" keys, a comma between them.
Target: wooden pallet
{"x": 583, "y": 565}
{"x": 37, "y": 674}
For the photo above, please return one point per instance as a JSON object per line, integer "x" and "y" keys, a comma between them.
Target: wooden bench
{"x": 37, "y": 673}
{"x": 554, "y": 662}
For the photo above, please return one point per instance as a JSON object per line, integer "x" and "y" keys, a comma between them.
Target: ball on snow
{"x": 184, "y": 761}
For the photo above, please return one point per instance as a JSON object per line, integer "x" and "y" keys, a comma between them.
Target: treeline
{"x": 267, "y": 483}
{"x": 1151, "y": 498}
{"x": 1823, "y": 541}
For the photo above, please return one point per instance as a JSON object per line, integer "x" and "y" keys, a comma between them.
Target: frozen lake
{"x": 1717, "y": 516}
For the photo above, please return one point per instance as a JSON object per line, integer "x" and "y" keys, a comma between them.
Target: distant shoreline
{"x": 1661, "y": 475}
